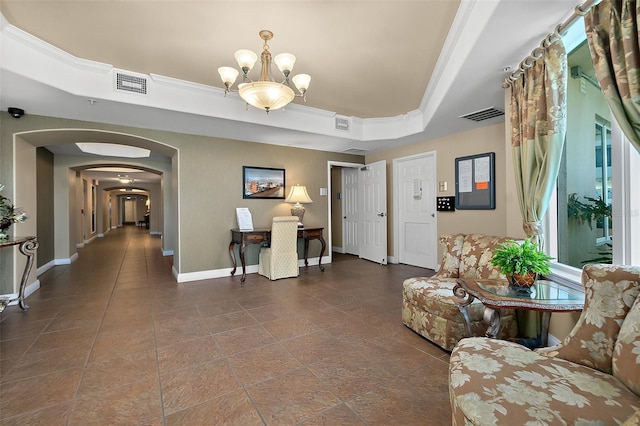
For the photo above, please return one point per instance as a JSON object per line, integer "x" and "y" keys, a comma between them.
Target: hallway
{"x": 112, "y": 339}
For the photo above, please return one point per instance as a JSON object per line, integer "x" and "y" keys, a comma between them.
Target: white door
{"x": 415, "y": 190}
{"x": 372, "y": 191}
{"x": 350, "y": 210}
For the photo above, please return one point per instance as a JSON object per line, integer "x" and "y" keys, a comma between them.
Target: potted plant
{"x": 521, "y": 262}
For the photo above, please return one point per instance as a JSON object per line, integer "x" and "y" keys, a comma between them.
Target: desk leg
{"x": 306, "y": 251}
{"x": 492, "y": 319}
{"x": 27, "y": 248}
{"x": 324, "y": 245}
{"x": 244, "y": 271}
{"x": 232, "y": 254}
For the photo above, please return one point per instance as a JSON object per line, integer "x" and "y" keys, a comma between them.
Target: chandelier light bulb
{"x": 246, "y": 59}
{"x": 228, "y": 75}
{"x": 302, "y": 82}
{"x": 285, "y": 63}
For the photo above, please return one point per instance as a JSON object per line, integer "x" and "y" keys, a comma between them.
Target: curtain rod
{"x": 579, "y": 11}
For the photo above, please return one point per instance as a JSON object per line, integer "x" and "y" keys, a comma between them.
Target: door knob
{"x": 381, "y": 214}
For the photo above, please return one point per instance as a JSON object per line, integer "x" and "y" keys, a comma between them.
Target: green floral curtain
{"x": 538, "y": 128}
{"x": 612, "y": 31}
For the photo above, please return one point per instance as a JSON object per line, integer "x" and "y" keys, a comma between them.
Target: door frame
{"x": 331, "y": 164}
{"x": 396, "y": 200}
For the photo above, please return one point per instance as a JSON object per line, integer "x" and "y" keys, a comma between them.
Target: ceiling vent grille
{"x": 342, "y": 123}
{"x": 131, "y": 83}
{"x": 483, "y": 114}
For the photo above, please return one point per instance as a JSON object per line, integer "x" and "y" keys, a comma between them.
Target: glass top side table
{"x": 545, "y": 296}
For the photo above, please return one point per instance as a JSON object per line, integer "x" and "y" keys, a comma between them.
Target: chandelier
{"x": 266, "y": 93}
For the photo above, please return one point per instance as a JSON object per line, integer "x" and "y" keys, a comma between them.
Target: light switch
{"x": 442, "y": 186}
{"x": 323, "y": 192}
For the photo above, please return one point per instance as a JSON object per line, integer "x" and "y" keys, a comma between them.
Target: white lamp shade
{"x": 228, "y": 75}
{"x": 302, "y": 82}
{"x": 266, "y": 95}
{"x": 246, "y": 58}
{"x": 285, "y": 62}
{"x": 298, "y": 194}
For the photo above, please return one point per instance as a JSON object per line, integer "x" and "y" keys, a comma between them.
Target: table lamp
{"x": 299, "y": 196}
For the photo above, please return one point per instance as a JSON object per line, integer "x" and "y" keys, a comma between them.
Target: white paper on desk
{"x": 245, "y": 223}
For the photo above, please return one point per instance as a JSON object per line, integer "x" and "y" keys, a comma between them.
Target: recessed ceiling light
{"x": 113, "y": 150}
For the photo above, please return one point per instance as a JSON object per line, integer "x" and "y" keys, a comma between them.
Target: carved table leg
{"x": 232, "y": 254}
{"x": 244, "y": 271}
{"x": 544, "y": 332}
{"x": 465, "y": 300}
{"x": 27, "y": 248}
{"x": 324, "y": 245}
{"x": 492, "y": 319}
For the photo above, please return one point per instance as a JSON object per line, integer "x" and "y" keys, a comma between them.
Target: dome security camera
{"x": 16, "y": 112}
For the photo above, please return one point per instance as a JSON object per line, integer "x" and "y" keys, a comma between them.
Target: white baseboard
{"x": 226, "y": 272}
{"x": 338, "y": 250}
{"x": 553, "y": 340}
{"x": 44, "y": 268}
{"x": 28, "y": 291}
{"x": 67, "y": 261}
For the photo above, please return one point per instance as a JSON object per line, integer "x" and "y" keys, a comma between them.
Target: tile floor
{"x": 112, "y": 339}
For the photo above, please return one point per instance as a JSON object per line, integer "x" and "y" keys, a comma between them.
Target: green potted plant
{"x": 521, "y": 262}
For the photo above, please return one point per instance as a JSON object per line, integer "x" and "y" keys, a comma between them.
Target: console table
{"x": 27, "y": 246}
{"x": 545, "y": 296}
{"x": 263, "y": 235}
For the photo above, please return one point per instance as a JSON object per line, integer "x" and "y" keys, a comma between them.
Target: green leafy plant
{"x": 589, "y": 211}
{"x": 521, "y": 257}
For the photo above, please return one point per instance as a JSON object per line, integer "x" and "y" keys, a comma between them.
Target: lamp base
{"x": 298, "y": 210}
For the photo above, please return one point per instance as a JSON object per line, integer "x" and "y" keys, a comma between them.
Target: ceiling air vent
{"x": 131, "y": 83}
{"x": 342, "y": 123}
{"x": 483, "y": 114}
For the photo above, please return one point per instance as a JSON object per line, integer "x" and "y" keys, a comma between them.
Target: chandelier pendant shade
{"x": 265, "y": 93}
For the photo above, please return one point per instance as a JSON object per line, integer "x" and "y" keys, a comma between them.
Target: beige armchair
{"x": 280, "y": 259}
{"x": 591, "y": 378}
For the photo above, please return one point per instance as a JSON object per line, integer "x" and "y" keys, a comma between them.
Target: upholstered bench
{"x": 429, "y": 307}
{"x": 591, "y": 378}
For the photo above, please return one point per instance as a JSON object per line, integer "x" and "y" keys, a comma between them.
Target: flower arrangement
{"x": 9, "y": 215}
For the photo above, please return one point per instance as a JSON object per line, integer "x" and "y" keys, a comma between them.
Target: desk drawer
{"x": 254, "y": 238}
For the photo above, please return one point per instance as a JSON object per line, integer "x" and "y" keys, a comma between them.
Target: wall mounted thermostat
{"x": 446, "y": 204}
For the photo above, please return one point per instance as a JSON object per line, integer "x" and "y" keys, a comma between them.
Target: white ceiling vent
{"x": 342, "y": 123}
{"x": 483, "y": 114}
{"x": 131, "y": 83}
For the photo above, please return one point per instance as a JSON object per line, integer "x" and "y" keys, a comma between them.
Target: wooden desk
{"x": 262, "y": 235}
{"x": 26, "y": 245}
{"x": 546, "y": 297}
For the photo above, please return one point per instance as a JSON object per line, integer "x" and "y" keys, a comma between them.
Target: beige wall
{"x": 44, "y": 194}
{"x": 205, "y": 178}
{"x": 447, "y": 149}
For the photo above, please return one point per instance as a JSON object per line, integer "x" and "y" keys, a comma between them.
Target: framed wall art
{"x": 263, "y": 182}
{"x": 475, "y": 182}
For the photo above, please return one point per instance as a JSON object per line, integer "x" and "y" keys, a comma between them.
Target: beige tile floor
{"x": 112, "y": 339}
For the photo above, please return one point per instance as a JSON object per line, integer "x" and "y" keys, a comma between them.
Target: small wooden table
{"x": 27, "y": 246}
{"x": 263, "y": 235}
{"x": 545, "y": 296}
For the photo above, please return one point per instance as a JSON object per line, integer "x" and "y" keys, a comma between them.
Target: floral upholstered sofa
{"x": 429, "y": 306}
{"x": 591, "y": 378}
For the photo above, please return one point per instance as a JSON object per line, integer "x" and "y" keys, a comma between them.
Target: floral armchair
{"x": 591, "y": 378}
{"x": 429, "y": 306}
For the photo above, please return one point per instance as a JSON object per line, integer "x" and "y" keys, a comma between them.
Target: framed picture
{"x": 262, "y": 183}
{"x": 475, "y": 182}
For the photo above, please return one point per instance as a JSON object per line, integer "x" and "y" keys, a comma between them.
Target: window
{"x": 593, "y": 216}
